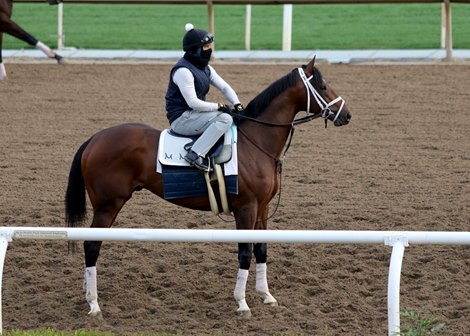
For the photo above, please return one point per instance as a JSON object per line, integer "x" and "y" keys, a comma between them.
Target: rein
{"x": 295, "y": 122}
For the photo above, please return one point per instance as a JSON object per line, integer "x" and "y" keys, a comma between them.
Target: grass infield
{"x": 161, "y": 27}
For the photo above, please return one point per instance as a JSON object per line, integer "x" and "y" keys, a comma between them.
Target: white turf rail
{"x": 398, "y": 240}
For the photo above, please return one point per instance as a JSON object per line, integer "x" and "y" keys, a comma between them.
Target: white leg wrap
{"x": 91, "y": 292}
{"x": 3, "y": 73}
{"x": 262, "y": 284}
{"x": 261, "y": 279}
{"x": 239, "y": 292}
{"x": 242, "y": 278}
{"x": 45, "y": 49}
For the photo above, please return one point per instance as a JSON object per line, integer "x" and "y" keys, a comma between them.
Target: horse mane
{"x": 256, "y": 106}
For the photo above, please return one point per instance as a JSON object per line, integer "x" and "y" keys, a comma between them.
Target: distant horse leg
{"x": 3, "y": 73}
{"x": 244, "y": 259}
{"x": 260, "y": 251}
{"x": 11, "y": 28}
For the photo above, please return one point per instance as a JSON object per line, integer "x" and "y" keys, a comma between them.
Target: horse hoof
{"x": 270, "y": 300}
{"x": 272, "y": 304}
{"x": 96, "y": 315}
{"x": 59, "y": 59}
{"x": 95, "y": 311}
{"x": 244, "y": 314}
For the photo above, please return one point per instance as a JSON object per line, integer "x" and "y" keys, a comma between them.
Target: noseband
{"x": 325, "y": 112}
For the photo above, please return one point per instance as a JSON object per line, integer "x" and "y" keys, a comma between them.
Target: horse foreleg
{"x": 92, "y": 249}
{"x": 244, "y": 258}
{"x": 260, "y": 250}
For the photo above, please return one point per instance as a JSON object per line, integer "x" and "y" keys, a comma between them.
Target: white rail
{"x": 398, "y": 240}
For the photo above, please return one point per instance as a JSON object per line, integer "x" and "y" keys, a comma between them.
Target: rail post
{"x": 398, "y": 244}
{"x": 287, "y": 28}
{"x": 448, "y": 30}
{"x": 60, "y": 25}
{"x": 248, "y": 27}
{"x": 5, "y": 238}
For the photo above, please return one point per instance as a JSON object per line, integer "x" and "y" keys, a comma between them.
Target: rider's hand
{"x": 238, "y": 108}
{"x": 224, "y": 108}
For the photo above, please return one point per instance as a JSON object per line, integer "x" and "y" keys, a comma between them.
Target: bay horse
{"x": 119, "y": 160}
{"x": 7, "y": 25}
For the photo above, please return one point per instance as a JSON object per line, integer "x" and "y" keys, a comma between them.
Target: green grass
{"x": 419, "y": 323}
{"x": 161, "y": 27}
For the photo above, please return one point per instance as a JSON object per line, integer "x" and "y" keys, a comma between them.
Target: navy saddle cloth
{"x": 180, "y": 180}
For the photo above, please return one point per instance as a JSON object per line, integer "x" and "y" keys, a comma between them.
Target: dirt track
{"x": 402, "y": 164}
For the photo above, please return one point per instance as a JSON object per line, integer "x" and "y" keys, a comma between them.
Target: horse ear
{"x": 311, "y": 65}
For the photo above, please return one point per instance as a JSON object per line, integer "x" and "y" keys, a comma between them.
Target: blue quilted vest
{"x": 175, "y": 103}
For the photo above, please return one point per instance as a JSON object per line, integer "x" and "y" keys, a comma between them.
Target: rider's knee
{"x": 225, "y": 119}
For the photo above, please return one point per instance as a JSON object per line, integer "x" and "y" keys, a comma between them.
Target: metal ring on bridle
{"x": 326, "y": 112}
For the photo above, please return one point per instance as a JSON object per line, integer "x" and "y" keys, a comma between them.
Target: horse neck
{"x": 281, "y": 112}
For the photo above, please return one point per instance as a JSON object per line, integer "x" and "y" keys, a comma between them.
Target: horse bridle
{"x": 325, "y": 112}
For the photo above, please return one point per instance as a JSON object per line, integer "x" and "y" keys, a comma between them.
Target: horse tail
{"x": 75, "y": 196}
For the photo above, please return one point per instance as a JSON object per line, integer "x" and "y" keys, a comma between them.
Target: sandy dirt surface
{"x": 402, "y": 164}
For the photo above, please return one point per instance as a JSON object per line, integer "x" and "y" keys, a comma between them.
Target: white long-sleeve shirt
{"x": 184, "y": 79}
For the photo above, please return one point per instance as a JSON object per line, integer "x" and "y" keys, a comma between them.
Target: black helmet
{"x": 195, "y": 38}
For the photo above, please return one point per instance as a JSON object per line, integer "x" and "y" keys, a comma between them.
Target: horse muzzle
{"x": 343, "y": 119}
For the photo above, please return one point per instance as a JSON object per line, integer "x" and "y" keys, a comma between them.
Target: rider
{"x": 187, "y": 111}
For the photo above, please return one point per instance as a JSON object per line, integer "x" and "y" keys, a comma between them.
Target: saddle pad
{"x": 183, "y": 182}
{"x": 171, "y": 152}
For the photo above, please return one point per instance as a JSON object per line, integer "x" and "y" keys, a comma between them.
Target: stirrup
{"x": 197, "y": 161}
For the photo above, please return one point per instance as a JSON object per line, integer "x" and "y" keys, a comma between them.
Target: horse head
{"x": 325, "y": 101}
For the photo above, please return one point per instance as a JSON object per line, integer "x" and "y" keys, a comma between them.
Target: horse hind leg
{"x": 260, "y": 251}
{"x": 91, "y": 291}
{"x": 48, "y": 51}
{"x": 101, "y": 219}
{"x": 12, "y": 28}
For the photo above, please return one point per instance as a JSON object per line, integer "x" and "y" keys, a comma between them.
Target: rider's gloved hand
{"x": 239, "y": 108}
{"x": 224, "y": 108}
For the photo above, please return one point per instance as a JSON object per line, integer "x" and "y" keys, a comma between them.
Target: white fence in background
{"x": 398, "y": 240}
{"x": 446, "y": 15}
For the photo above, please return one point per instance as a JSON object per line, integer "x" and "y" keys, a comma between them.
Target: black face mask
{"x": 200, "y": 59}
{"x": 206, "y": 54}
